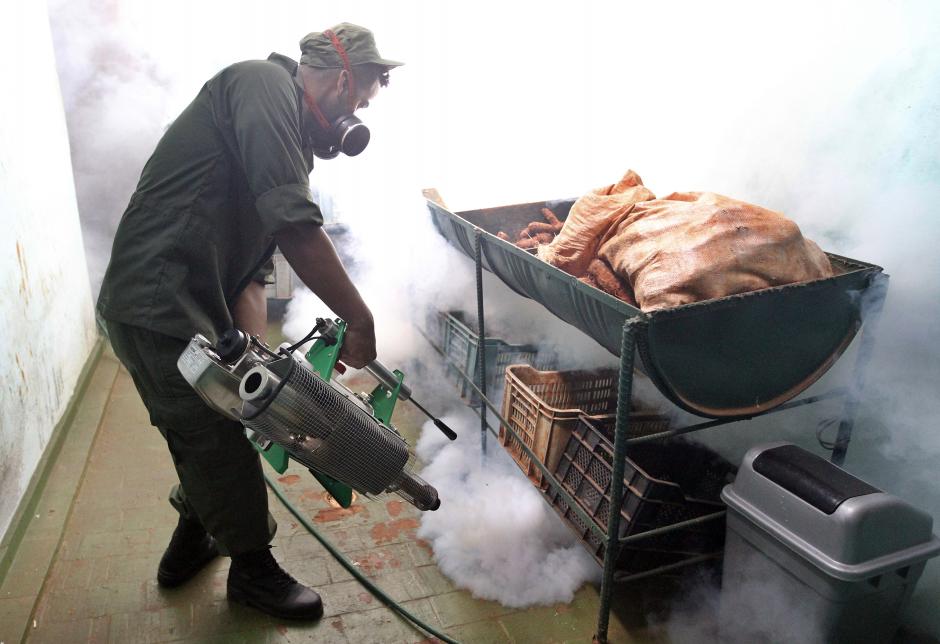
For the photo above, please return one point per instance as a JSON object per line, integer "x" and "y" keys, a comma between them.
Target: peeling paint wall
{"x": 46, "y": 323}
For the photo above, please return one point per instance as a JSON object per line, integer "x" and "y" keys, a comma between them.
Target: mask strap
{"x": 312, "y": 104}
{"x": 338, "y": 46}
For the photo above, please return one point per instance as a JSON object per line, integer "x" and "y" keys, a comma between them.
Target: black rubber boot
{"x": 190, "y": 549}
{"x": 255, "y": 579}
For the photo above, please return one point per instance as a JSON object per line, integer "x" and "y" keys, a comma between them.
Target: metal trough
{"x": 736, "y": 356}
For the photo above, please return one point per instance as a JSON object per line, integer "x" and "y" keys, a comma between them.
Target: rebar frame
{"x": 481, "y": 336}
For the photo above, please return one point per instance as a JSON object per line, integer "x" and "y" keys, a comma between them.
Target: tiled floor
{"x": 85, "y": 570}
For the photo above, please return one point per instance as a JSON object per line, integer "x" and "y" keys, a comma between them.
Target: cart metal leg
{"x": 872, "y": 305}
{"x": 612, "y": 543}
{"x": 481, "y": 335}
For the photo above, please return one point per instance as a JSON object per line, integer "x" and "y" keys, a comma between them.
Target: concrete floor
{"x": 85, "y": 568}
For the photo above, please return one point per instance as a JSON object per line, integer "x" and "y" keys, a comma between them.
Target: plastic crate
{"x": 664, "y": 484}
{"x": 543, "y": 407}
{"x": 433, "y": 325}
{"x": 460, "y": 344}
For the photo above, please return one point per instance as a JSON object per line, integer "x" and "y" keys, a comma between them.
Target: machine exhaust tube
{"x": 416, "y": 491}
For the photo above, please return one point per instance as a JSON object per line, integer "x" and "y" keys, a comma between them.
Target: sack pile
{"x": 686, "y": 247}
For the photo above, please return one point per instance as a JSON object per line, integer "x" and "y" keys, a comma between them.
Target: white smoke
{"x": 518, "y": 553}
{"x": 493, "y": 534}
{"x": 826, "y": 112}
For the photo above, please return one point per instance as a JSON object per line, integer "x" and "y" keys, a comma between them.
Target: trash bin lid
{"x": 837, "y": 521}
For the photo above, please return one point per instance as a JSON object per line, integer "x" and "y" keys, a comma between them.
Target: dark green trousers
{"x": 221, "y": 484}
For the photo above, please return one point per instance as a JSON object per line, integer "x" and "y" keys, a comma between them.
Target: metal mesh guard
{"x": 325, "y": 431}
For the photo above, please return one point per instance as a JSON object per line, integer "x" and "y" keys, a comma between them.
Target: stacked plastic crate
{"x": 567, "y": 418}
{"x": 460, "y": 343}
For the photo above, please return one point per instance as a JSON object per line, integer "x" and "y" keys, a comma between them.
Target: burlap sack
{"x": 591, "y": 216}
{"x": 696, "y": 246}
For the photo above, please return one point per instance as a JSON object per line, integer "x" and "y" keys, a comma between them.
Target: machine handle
{"x": 387, "y": 378}
{"x": 447, "y": 431}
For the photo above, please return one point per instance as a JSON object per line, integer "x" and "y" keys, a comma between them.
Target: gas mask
{"x": 348, "y": 134}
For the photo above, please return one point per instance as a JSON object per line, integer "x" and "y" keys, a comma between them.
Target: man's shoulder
{"x": 263, "y": 70}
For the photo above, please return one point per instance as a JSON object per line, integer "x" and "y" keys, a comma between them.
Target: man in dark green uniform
{"x": 228, "y": 183}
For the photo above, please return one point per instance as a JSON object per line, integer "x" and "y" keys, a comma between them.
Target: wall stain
{"x": 19, "y": 365}
{"x": 58, "y": 384}
{"x": 24, "y": 272}
{"x": 11, "y": 469}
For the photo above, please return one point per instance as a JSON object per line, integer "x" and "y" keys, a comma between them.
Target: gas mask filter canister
{"x": 348, "y": 134}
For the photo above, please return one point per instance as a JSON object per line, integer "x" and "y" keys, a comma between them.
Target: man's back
{"x": 229, "y": 172}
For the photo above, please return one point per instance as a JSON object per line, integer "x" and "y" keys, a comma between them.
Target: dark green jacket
{"x": 231, "y": 171}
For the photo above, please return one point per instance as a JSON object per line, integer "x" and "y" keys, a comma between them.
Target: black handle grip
{"x": 447, "y": 431}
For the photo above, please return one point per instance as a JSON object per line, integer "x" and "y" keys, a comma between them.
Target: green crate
{"x": 461, "y": 346}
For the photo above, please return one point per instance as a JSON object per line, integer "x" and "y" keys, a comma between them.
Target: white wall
{"x": 46, "y": 323}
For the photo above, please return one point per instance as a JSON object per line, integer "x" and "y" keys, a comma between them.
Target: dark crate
{"x": 433, "y": 327}
{"x": 664, "y": 484}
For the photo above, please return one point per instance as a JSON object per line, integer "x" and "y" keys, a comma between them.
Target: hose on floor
{"x": 353, "y": 570}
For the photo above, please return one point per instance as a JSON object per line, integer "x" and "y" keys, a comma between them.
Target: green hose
{"x": 353, "y": 570}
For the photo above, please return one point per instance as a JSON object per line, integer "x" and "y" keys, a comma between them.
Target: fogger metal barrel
{"x": 321, "y": 424}
{"x": 329, "y": 431}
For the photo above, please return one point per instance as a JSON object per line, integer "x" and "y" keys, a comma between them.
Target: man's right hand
{"x": 310, "y": 253}
{"x": 358, "y": 345}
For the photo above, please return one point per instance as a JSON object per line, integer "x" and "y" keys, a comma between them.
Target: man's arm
{"x": 250, "y": 312}
{"x": 262, "y": 100}
{"x": 310, "y": 253}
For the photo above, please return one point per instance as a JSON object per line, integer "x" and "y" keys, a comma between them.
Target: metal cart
{"x": 727, "y": 360}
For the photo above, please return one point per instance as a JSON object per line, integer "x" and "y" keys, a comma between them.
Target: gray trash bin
{"x": 814, "y": 554}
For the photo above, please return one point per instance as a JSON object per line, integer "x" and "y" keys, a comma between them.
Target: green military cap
{"x": 318, "y": 50}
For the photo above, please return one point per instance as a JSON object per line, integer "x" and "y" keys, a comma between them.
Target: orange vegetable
{"x": 551, "y": 218}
